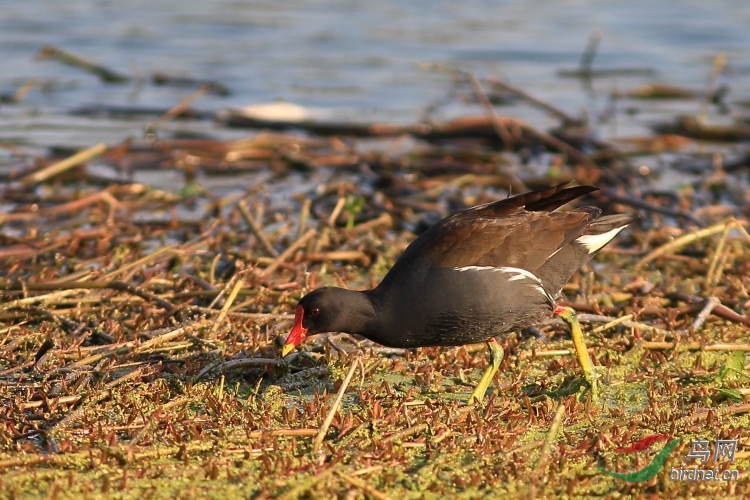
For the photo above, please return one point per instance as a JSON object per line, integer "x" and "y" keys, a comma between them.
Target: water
{"x": 356, "y": 58}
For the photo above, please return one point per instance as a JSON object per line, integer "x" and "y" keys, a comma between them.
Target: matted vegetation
{"x": 140, "y": 329}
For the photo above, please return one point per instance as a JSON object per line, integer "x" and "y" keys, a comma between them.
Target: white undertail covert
{"x": 594, "y": 242}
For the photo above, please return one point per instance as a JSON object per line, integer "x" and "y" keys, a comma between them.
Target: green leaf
{"x": 191, "y": 189}
{"x": 735, "y": 364}
{"x": 736, "y": 361}
{"x": 732, "y": 394}
{"x": 352, "y": 206}
{"x": 651, "y": 469}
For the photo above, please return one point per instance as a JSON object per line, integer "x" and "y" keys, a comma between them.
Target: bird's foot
{"x": 582, "y": 354}
{"x": 479, "y": 391}
{"x": 593, "y": 384}
{"x": 496, "y": 358}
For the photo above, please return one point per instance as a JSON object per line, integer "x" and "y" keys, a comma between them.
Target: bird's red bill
{"x": 298, "y": 333}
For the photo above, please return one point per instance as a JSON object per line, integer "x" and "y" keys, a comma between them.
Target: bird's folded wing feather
{"x": 524, "y": 240}
{"x": 520, "y": 231}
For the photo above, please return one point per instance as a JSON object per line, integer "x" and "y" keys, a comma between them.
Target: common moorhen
{"x": 472, "y": 277}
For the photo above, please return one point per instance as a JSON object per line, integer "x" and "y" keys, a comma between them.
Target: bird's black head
{"x": 329, "y": 309}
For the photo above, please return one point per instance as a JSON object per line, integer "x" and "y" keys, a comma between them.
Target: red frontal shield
{"x": 298, "y": 333}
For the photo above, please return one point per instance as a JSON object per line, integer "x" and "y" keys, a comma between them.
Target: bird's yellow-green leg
{"x": 496, "y": 357}
{"x": 589, "y": 374}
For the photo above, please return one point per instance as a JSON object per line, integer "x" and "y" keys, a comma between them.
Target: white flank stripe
{"x": 518, "y": 274}
{"x": 476, "y": 268}
{"x": 549, "y": 297}
{"x": 594, "y": 242}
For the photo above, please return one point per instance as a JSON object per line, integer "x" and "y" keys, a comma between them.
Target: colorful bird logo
{"x": 656, "y": 464}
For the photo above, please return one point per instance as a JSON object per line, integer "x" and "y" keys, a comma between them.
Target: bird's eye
{"x": 315, "y": 311}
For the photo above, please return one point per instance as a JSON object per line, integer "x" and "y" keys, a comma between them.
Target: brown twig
{"x": 719, "y": 62}
{"x": 710, "y": 305}
{"x": 682, "y": 242}
{"x": 342, "y": 255}
{"x": 553, "y": 110}
{"x": 66, "y": 164}
{"x": 257, "y": 230}
{"x": 366, "y": 488}
{"x": 177, "y": 110}
{"x": 320, "y": 436}
{"x": 288, "y": 253}
{"x": 719, "y": 412}
{"x": 89, "y": 285}
{"x": 65, "y": 208}
{"x": 409, "y": 431}
{"x": 500, "y": 127}
{"x": 614, "y": 197}
{"x": 694, "y": 346}
{"x": 554, "y": 429}
{"x": 105, "y": 74}
{"x": 227, "y": 305}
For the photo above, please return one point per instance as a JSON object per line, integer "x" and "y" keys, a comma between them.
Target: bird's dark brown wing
{"x": 519, "y": 231}
{"x": 525, "y": 239}
{"x": 543, "y": 200}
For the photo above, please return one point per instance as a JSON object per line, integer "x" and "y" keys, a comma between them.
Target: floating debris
{"x": 141, "y": 326}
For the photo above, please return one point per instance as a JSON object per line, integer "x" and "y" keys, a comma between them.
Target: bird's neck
{"x": 367, "y": 313}
{"x": 359, "y": 312}
{"x": 381, "y": 326}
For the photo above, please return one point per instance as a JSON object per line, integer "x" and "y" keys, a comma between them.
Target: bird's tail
{"x": 561, "y": 266}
